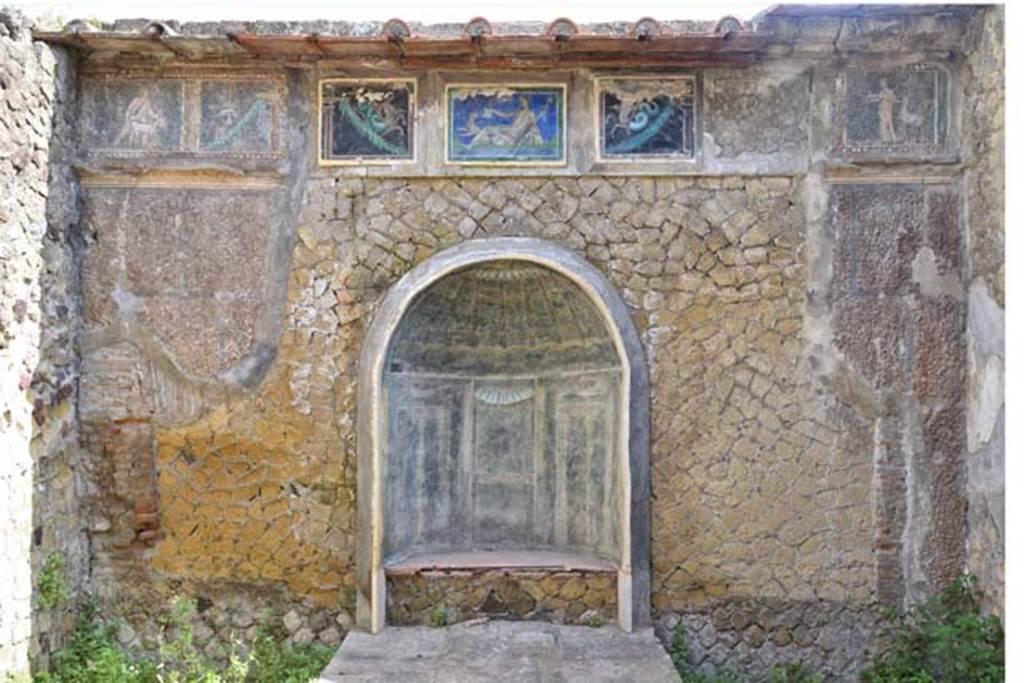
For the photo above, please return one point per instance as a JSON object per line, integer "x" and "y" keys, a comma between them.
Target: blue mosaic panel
{"x": 646, "y": 118}
{"x": 506, "y": 124}
{"x": 366, "y": 120}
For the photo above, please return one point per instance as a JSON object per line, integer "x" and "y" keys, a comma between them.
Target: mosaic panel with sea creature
{"x": 366, "y": 120}
{"x": 237, "y": 116}
{"x": 646, "y": 117}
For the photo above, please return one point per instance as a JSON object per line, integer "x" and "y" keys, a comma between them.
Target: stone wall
{"x": 40, "y": 474}
{"x": 449, "y": 596}
{"x": 984, "y": 187}
{"x": 751, "y": 502}
{"x": 813, "y": 294}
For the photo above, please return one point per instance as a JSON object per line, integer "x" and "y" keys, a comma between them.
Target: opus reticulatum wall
{"x": 814, "y": 278}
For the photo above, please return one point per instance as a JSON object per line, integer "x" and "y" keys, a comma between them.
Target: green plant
{"x": 793, "y": 672}
{"x": 680, "y": 653}
{"x": 593, "y": 621}
{"x": 93, "y": 656}
{"x": 272, "y": 661}
{"x": 52, "y": 588}
{"x": 945, "y": 638}
{"x": 439, "y": 616}
{"x": 179, "y": 660}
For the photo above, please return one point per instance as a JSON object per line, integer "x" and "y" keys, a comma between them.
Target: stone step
{"x": 499, "y": 651}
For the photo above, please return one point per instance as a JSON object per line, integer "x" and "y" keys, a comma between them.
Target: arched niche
{"x": 503, "y": 413}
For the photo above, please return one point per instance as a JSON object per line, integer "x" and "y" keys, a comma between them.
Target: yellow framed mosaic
{"x": 505, "y": 124}
{"x": 366, "y": 121}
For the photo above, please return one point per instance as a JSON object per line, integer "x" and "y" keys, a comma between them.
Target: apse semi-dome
{"x": 501, "y": 317}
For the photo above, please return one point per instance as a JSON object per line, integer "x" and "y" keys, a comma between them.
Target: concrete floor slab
{"x": 499, "y": 651}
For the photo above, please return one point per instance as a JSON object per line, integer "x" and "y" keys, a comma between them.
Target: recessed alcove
{"x": 503, "y": 416}
{"x": 501, "y": 384}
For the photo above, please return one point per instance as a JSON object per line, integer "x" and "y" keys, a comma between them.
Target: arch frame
{"x": 634, "y": 566}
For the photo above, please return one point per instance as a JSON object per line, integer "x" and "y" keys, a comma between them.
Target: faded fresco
{"x": 501, "y": 388}
{"x": 506, "y": 124}
{"x": 133, "y": 115}
{"x": 236, "y": 116}
{"x": 646, "y": 117}
{"x": 366, "y": 120}
{"x": 895, "y": 110}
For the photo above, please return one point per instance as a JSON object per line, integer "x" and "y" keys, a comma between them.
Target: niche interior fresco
{"x": 505, "y": 124}
{"x": 366, "y": 119}
{"x": 645, "y": 117}
{"x": 502, "y": 386}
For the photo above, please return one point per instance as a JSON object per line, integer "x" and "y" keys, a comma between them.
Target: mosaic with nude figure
{"x": 506, "y": 124}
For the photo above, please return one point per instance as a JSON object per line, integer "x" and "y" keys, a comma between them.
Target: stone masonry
{"x": 818, "y": 292}
{"x": 41, "y": 486}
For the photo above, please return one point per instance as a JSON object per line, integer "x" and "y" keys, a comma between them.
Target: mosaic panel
{"x": 366, "y": 120}
{"x": 236, "y": 116}
{"x": 893, "y": 111}
{"x": 183, "y": 113}
{"x": 645, "y": 117}
{"x": 505, "y": 124}
{"x": 132, "y": 115}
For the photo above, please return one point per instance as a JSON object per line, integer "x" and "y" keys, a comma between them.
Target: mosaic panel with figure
{"x": 646, "y": 117}
{"x": 893, "y": 111}
{"x": 505, "y": 124}
{"x": 366, "y": 120}
{"x": 237, "y": 116}
{"x": 130, "y": 116}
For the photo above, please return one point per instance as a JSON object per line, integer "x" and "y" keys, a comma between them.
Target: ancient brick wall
{"x": 805, "y": 303}
{"x": 40, "y": 472}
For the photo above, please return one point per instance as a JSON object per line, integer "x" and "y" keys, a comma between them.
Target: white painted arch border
{"x": 634, "y": 578}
